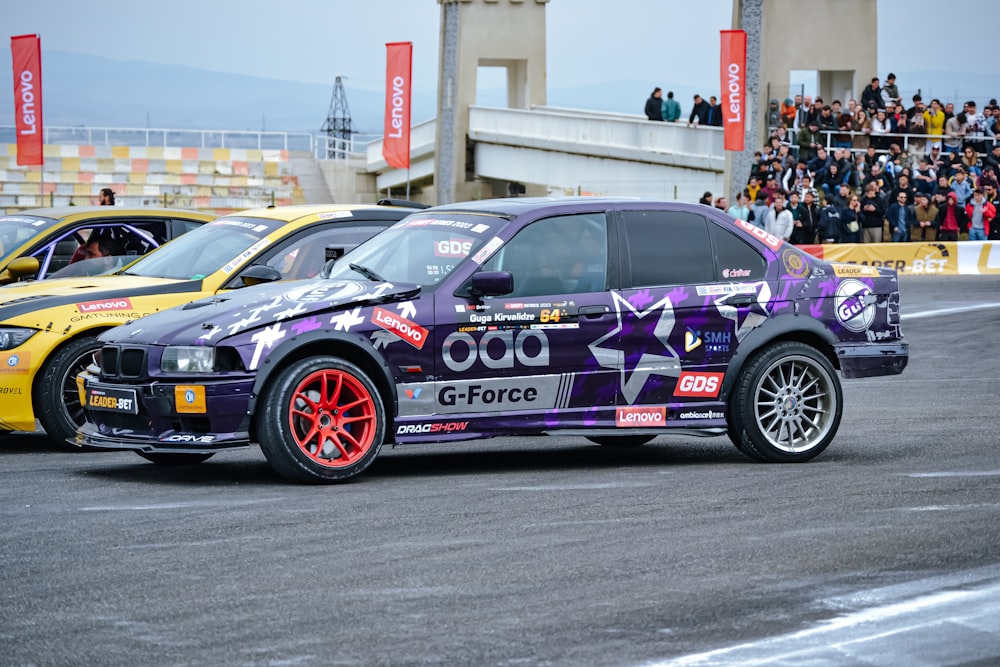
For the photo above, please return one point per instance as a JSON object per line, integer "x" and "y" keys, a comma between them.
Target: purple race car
{"x": 616, "y": 320}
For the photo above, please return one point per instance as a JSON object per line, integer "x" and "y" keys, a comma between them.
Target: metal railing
{"x": 904, "y": 140}
{"x": 319, "y": 146}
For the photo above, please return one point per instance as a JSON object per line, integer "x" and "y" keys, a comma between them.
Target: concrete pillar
{"x": 786, "y": 35}
{"x": 474, "y": 34}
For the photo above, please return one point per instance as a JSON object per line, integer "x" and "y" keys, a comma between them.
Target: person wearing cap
{"x": 788, "y": 110}
{"x": 951, "y": 219}
{"x": 925, "y": 213}
{"x": 871, "y": 96}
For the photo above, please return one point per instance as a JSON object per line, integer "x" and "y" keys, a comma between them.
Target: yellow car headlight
{"x": 11, "y": 337}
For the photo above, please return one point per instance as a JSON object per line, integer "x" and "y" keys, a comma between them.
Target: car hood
{"x": 239, "y": 311}
{"x": 20, "y": 298}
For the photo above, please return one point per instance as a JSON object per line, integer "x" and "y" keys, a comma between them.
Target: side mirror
{"x": 492, "y": 283}
{"x": 260, "y": 273}
{"x": 22, "y": 267}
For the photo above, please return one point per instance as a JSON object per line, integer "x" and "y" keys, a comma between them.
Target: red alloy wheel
{"x": 332, "y": 418}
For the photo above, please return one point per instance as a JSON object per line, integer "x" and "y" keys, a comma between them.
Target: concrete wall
{"x": 837, "y": 38}
{"x": 474, "y": 34}
{"x": 348, "y": 181}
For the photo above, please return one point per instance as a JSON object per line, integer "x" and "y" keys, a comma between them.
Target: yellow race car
{"x": 49, "y": 328}
{"x": 44, "y": 242}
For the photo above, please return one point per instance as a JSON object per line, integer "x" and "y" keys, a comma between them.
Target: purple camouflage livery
{"x": 614, "y": 319}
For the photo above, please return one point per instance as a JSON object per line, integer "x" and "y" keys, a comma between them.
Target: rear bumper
{"x": 872, "y": 359}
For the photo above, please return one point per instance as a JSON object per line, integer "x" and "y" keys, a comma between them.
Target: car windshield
{"x": 16, "y": 230}
{"x": 421, "y": 249}
{"x": 225, "y": 244}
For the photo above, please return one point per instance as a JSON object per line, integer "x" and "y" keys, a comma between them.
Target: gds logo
{"x": 700, "y": 385}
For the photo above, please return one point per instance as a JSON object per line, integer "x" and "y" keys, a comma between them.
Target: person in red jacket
{"x": 951, "y": 219}
{"x": 980, "y": 213}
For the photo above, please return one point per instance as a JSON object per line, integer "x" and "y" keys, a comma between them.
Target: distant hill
{"x": 99, "y": 92}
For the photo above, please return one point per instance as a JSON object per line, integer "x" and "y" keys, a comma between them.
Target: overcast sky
{"x": 666, "y": 42}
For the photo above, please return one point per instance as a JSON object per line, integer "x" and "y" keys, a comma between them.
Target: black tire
{"x": 175, "y": 458}
{"x": 620, "y": 440}
{"x": 786, "y": 405}
{"x": 308, "y": 436}
{"x": 56, "y": 398}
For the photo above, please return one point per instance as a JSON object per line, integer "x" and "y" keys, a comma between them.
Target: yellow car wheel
{"x": 56, "y": 397}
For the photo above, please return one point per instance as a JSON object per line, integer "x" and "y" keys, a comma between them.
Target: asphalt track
{"x": 514, "y": 552}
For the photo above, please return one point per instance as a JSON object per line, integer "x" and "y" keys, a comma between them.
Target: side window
{"x": 561, "y": 255}
{"x": 667, "y": 248}
{"x": 735, "y": 258}
{"x": 305, "y": 255}
{"x": 181, "y": 227}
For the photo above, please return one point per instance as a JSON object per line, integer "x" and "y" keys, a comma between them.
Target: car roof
{"x": 515, "y": 206}
{"x": 64, "y": 212}
{"x": 298, "y": 211}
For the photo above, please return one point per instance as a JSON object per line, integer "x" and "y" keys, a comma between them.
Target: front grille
{"x": 109, "y": 361}
{"x": 123, "y": 362}
{"x": 133, "y": 363}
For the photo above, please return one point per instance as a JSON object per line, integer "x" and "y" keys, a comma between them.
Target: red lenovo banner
{"x": 734, "y": 84}
{"x": 26, "y": 51}
{"x": 398, "y": 71}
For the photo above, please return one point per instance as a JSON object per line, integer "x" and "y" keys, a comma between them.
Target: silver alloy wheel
{"x": 794, "y": 403}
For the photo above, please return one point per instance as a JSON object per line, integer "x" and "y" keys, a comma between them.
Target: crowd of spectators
{"x": 869, "y": 171}
{"x": 879, "y": 171}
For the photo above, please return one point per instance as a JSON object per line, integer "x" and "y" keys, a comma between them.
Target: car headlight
{"x": 188, "y": 359}
{"x": 11, "y": 337}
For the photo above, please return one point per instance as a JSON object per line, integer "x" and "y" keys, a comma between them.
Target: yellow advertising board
{"x": 918, "y": 258}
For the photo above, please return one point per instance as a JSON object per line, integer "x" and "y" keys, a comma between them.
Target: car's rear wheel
{"x": 56, "y": 397}
{"x": 786, "y": 404}
{"x": 620, "y": 440}
{"x": 174, "y": 458}
{"x": 321, "y": 421}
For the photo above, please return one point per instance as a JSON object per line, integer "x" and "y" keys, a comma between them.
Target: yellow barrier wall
{"x": 918, "y": 258}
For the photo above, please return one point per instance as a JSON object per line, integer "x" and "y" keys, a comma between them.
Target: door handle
{"x": 740, "y": 300}
{"x": 594, "y": 312}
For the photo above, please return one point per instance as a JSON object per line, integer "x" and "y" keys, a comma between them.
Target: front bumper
{"x": 872, "y": 359}
{"x": 160, "y": 421}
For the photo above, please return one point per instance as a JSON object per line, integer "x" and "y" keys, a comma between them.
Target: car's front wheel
{"x": 56, "y": 397}
{"x": 322, "y": 420}
{"x": 786, "y": 404}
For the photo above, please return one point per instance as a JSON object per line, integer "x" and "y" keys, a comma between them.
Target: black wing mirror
{"x": 492, "y": 283}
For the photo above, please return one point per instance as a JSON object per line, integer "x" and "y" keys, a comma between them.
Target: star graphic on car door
{"x": 655, "y": 357}
{"x": 754, "y": 314}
